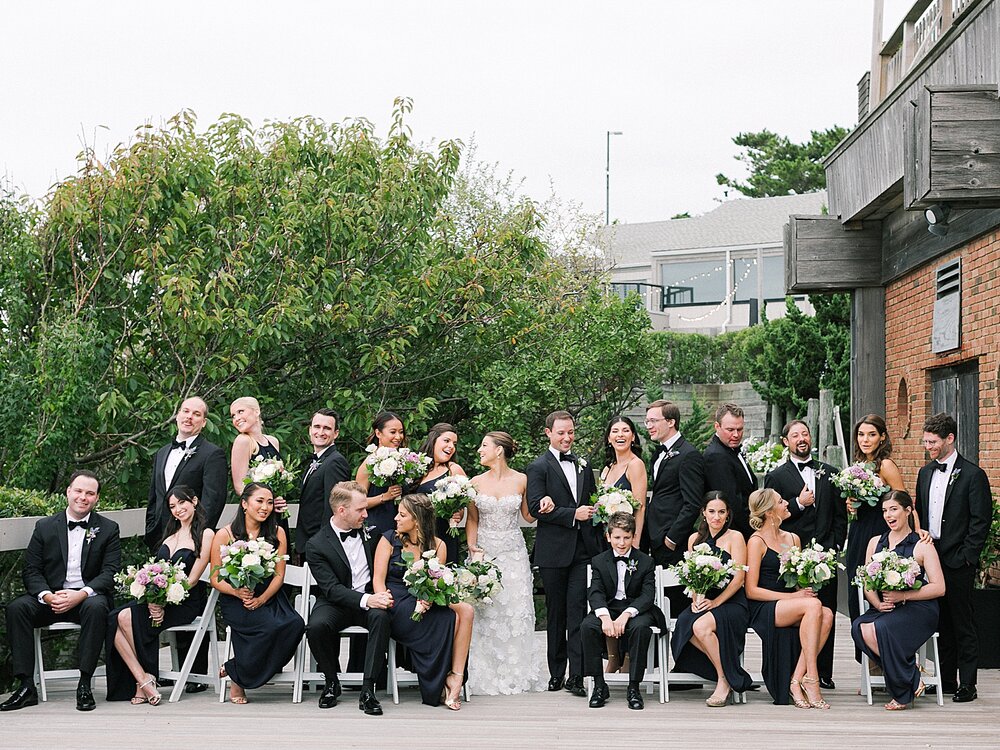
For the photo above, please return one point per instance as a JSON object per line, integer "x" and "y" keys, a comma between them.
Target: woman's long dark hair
{"x": 609, "y": 452}
{"x": 268, "y": 529}
{"x": 381, "y": 420}
{"x": 432, "y": 437}
{"x": 419, "y": 506}
{"x": 703, "y": 532}
{"x": 884, "y": 449}
{"x": 199, "y": 522}
{"x": 903, "y": 499}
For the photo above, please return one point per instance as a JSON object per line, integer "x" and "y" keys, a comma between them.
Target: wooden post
{"x": 812, "y": 420}
{"x": 875, "y": 80}
{"x": 777, "y": 421}
{"x": 867, "y": 352}
{"x": 825, "y": 421}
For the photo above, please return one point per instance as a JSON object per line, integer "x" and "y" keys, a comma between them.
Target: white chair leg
{"x": 40, "y": 665}
{"x": 223, "y": 680}
{"x": 391, "y": 679}
{"x": 937, "y": 671}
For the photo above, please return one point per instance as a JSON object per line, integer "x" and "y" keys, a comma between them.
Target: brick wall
{"x": 909, "y": 306}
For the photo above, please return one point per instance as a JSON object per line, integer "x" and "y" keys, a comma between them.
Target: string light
{"x": 726, "y": 300}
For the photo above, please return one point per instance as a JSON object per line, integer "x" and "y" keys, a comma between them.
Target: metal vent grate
{"x": 949, "y": 279}
{"x": 947, "y": 334}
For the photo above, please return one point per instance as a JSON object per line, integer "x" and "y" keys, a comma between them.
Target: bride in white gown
{"x": 504, "y": 658}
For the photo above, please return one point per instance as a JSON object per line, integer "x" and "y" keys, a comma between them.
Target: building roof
{"x": 745, "y": 221}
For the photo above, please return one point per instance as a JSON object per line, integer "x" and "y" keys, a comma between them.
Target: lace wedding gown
{"x": 504, "y": 658}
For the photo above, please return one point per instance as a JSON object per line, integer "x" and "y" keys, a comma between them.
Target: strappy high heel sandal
{"x": 806, "y": 679}
{"x": 798, "y": 702}
{"x": 153, "y": 700}
{"x": 455, "y": 703}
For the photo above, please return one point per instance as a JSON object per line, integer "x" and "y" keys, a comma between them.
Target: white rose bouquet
{"x": 764, "y": 455}
{"x": 276, "y": 474}
{"x": 887, "y": 571}
{"x": 389, "y": 466}
{"x": 450, "y": 495}
{"x": 247, "y": 563}
{"x": 478, "y": 581}
{"x": 703, "y": 569}
{"x": 155, "y": 582}
{"x": 812, "y": 566}
{"x": 428, "y": 579}
{"x": 611, "y": 500}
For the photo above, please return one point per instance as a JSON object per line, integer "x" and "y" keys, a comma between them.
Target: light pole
{"x": 607, "y": 180}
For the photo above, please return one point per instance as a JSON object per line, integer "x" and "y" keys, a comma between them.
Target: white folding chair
{"x": 57, "y": 674}
{"x": 653, "y": 677}
{"x": 201, "y": 625}
{"x": 295, "y": 575}
{"x": 868, "y": 681}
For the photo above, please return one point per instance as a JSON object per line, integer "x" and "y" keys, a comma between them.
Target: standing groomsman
{"x": 953, "y": 494}
{"x": 324, "y": 468}
{"x": 188, "y": 460}
{"x": 726, "y": 468}
{"x": 69, "y": 569}
{"x": 817, "y": 513}
{"x": 559, "y": 487}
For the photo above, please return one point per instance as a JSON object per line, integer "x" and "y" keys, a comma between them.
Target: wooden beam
{"x": 821, "y": 254}
{"x": 906, "y": 243}
{"x": 867, "y": 352}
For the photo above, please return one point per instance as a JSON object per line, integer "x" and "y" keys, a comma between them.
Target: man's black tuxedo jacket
{"x": 314, "y": 500}
{"x": 725, "y": 472}
{"x": 48, "y": 551}
{"x": 826, "y": 519}
{"x": 677, "y": 492}
{"x": 558, "y": 532}
{"x": 329, "y": 566}
{"x": 206, "y": 471}
{"x": 968, "y": 512}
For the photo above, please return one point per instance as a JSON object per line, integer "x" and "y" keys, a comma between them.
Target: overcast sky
{"x": 536, "y": 84}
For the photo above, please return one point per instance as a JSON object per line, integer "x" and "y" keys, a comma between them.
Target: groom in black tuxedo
{"x": 188, "y": 460}
{"x": 324, "y": 468}
{"x": 953, "y": 496}
{"x": 559, "y": 489}
{"x": 69, "y": 569}
{"x": 817, "y": 513}
{"x": 726, "y": 468}
{"x": 340, "y": 558}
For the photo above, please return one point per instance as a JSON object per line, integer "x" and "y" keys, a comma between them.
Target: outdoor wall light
{"x": 937, "y": 219}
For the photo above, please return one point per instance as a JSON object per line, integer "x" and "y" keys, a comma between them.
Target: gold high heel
{"x": 812, "y": 681}
{"x": 455, "y": 703}
{"x": 798, "y": 702}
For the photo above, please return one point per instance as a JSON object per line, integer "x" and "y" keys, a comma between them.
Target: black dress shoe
{"x": 965, "y": 693}
{"x": 634, "y": 698}
{"x": 827, "y": 683}
{"x": 85, "y": 699}
{"x": 555, "y": 683}
{"x": 600, "y": 696}
{"x": 369, "y": 703}
{"x": 20, "y": 698}
{"x": 329, "y": 697}
{"x": 575, "y": 685}
{"x": 195, "y": 687}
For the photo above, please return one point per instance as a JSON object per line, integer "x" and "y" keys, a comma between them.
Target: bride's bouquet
{"x": 861, "y": 482}
{"x": 611, "y": 500}
{"x": 450, "y": 495}
{"x": 703, "y": 569}
{"x": 429, "y": 580}
{"x": 887, "y": 571}
{"x": 390, "y": 466}
{"x": 276, "y": 474}
{"x": 809, "y": 567}
{"x": 248, "y": 563}
{"x": 155, "y": 582}
{"x": 478, "y": 581}
{"x": 763, "y": 456}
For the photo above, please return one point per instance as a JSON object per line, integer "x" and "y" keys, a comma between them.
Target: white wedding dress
{"x": 504, "y": 658}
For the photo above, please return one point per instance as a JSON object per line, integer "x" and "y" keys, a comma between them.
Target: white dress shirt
{"x": 938, "y": 490}
{"x": 746, "y": 466}
{"x": 76, "y": 538}
{"x": 174, "y": 459}
{"x": 569, "y": 469}
{"x": 361, "y": 575}
{"x": 808, "y": 476}
{"x": 622, "y": 564}
{"x": 668, "y": 444}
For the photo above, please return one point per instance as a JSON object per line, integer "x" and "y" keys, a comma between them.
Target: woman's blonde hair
{"x": 253, "y": 404}
{"x": 760, "y": 502}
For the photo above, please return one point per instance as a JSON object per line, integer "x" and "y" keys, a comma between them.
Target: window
{"x": 693, "y": 281}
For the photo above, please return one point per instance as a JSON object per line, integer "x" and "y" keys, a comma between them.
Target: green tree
{"x": 777, "y": 166}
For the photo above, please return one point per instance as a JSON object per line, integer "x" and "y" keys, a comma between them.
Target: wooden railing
{"x": 920, "y": 30}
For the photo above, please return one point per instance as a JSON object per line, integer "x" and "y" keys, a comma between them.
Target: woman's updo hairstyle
{"x": 760, "y": 502}
{"x": 505, "y": 441}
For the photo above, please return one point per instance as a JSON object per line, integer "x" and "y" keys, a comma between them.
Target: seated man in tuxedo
{"x": 69, "y": 569}
{"x": 340, "y": 559}
{"x": 622, "y": 596}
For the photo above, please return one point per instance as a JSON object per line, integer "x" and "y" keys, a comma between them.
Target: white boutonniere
{"x": 366, "y": 532}
{"x": 581, "y": 464}
{"x": 670, "y": 454}
{"x": 188, "y": 452}
{"x": 632, "y": 566}
{"x": 92, "y": 533}
{"x": 819, "y": 472}
{"x": 953, "y": 477}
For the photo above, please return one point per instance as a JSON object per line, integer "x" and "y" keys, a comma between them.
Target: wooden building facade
{"x": 913, "y": 230}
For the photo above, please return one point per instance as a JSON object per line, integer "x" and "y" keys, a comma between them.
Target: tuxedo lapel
{"x": 62, "y": 535}
{"x": 579, "y": 481}
{"x": 158, "y": 465}
{"x": 314, "y": 468}
{"x": 88, "y": 539}
{"x": 952, "y": 480}
{"x": 555, "y": 466}
{"x": 337, "y": 546}
{"x": 188, "y": 455}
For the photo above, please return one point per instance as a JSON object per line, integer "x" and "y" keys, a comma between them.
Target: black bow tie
{"x": 567, "y": 457}
{"x": 182, "y": 444}
{"x": 622, "y": 558}
{"x": 941, "y": 466}
{"x": 315, "y": 457}
{"x": 78, "y": 525}
{"x": 805, "y": 465}
{"x": 345, "y": 534}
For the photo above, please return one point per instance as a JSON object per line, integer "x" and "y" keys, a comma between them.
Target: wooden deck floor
{"x": 551, "y": 720}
